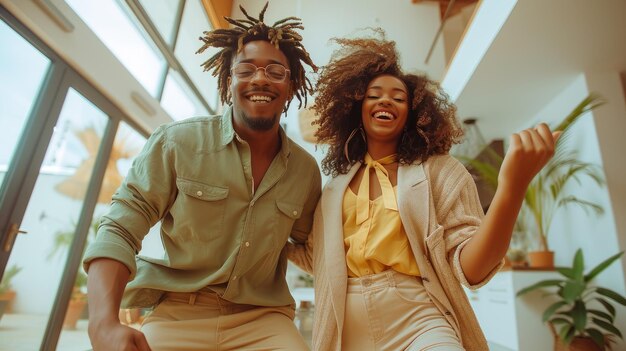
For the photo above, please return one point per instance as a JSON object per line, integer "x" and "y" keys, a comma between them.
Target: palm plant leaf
{"x": 551, "y": 309}
{"x": 596, "y": 336}
{"x": 602, "y": 266}
{"x": 579, "y": 265}
{"x": 567, "y": 333}
{"x": 585, "y": 205}
{"x": 572, "y": 290}
{"x": 612, "y": 295}
{"x": 589, "y": 103}
{"x": 579, "y": 315}
{"x": 541, "y": 284}
{"x": 607, "y": 326}
{"x": 9, "y": 273}
{"x": 606, "y": 305}
{"x": 601, "y": 314}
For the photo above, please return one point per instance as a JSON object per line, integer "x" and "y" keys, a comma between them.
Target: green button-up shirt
{"x": 218, "y": 233}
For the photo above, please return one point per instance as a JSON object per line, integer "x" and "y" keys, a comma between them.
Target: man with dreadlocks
{"x": 229, "y": 191}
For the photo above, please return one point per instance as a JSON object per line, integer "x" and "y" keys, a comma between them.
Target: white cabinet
{"x": 512, "y": 322}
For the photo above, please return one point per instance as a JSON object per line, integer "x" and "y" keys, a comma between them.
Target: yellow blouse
{"x": 377, "y": 241}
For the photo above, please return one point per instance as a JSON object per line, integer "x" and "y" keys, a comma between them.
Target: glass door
{"x": 57, "y": 145}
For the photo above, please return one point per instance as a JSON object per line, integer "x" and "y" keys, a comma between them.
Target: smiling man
{"x": 229, "y": 192}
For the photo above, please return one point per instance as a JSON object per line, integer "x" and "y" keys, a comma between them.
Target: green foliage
{"x": 307, "y": 279}
{"x": 9, "y": 274}
{"x": 63, "y": 239}
{"x": 546, "y": 193}
{"x": 574, "y": 313}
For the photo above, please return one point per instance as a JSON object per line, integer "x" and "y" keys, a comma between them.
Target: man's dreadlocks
{"x": 281, "y": 34}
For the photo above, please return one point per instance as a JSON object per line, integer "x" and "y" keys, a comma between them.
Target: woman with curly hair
{"x": 399, "y": 228}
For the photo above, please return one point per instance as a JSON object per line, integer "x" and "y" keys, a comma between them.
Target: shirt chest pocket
{"x": 199, "y": 210}
{"x": 286, "y": 215}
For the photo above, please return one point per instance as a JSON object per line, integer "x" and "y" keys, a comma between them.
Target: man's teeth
{"x": 383, "y": 115}
{"x": 260, "y": 98}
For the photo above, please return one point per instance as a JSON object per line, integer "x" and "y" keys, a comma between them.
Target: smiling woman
{"x": 400, "y": 223}
{"x": 362, "y": 65}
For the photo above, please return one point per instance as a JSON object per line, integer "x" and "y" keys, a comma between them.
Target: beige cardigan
{"x": 440, "y": 210}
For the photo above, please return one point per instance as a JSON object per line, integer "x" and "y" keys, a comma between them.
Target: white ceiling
{"x": 412, "y": 26}
{"x": 540, "y": 50}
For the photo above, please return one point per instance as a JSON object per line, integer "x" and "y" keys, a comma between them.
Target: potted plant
{"x": 7, "y": 294}
{"x": 78, "y": 301}
{"x": 581, "y": 324}
{"x": 547, "y": 193}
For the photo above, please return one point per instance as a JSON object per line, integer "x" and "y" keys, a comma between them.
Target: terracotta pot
{"x": 584, "y": 344}
{"x": 74, "y": 310}
{"x": 541, "y": 259}
{"x": 8, "y": 296}
{"x": 577, "y": 344}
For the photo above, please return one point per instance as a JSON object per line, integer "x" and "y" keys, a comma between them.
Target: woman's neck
{"x": 378, "y": 150}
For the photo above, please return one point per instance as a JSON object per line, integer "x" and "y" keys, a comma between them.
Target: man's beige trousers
{"x": 194, "y": 322}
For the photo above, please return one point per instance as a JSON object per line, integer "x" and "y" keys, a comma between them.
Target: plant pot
{"x": 541, "y": 259}
{"x": 72, "y": 315}
{"x": 577, "y": 344}
{"x": 9, "y": 297}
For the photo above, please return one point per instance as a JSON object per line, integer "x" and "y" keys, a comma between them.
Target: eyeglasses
{"x": 274, "y": 72}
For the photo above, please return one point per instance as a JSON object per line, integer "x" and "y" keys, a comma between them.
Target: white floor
{"x": 20, "y": 332}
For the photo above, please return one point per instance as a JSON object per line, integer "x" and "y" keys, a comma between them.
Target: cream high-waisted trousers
{"x": 391, "y": 311}
{"x": 203, "y": 321}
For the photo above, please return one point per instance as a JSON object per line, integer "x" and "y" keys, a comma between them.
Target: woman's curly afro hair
{"x": 431, "y": 129}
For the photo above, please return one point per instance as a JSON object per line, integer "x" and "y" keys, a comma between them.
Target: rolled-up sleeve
{"x": 143, "y": 199}
{"x": 461, "y": 214}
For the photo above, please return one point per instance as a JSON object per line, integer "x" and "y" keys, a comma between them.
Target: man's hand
{"x": 528, "y": 153}
{"x": 105, "y": 286}
{"x": 117, "y": 337}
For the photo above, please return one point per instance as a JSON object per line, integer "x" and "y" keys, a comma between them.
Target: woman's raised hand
{"x": 529, "y": 151}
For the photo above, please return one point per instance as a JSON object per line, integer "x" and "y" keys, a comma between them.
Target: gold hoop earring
{"x": 345, "y": 145}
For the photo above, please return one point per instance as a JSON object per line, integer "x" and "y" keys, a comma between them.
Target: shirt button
{"x": 234, "y": 277}
{"x": 199, "y": 193}
{"x": 247, "y": 243}
{"x": 295, "y": 213}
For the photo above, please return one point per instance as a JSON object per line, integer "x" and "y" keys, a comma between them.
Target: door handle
{"x": 10, "y": 237}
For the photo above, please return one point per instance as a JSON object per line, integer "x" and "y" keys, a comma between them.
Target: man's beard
{"x": 259, "y": 124}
